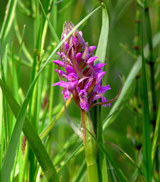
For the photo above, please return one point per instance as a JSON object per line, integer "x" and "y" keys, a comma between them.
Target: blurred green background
{"x": 122, "y": 31}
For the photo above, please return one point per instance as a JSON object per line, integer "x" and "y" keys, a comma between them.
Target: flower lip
{"x": 72, "y": 77}
{"x": 83, "y": 99}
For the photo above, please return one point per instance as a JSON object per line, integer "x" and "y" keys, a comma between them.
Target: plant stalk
{"x": 90, "y": 147}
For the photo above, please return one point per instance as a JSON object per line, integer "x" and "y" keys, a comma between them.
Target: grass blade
{"x": 156, "y": 133}
{"x": 103, "y": 39}
{"x": 101, "y": 54}
{"x": 147, "y": 165}
{"x": 131, "y": 77}
{"x": 8, "y": 20}
{"x": 33, "y": 139}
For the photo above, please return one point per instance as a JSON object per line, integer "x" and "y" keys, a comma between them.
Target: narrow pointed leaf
{"x": 155, "y": 137}
{"x": 102, "y": 44}
{"x": 33, "y": 139}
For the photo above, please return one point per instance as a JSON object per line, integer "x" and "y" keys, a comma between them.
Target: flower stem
{"x": 102, "y": 166}
{"x": 90, "y": 147}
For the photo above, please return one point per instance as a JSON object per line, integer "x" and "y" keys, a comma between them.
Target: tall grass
{"x": 36, "y": 141}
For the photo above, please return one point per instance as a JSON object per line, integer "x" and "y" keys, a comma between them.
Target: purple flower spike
{"x": 83, "y": 76}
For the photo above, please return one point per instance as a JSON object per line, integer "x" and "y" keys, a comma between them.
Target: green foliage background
{"x": 120, "y": 58}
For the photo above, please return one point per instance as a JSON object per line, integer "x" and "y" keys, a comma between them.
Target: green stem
{"x": 151, "y": 63}
{"x": 137, "y": 50}
{"x": 152, "y": 80}
{"x": 90, "y": 147}
{"x": 146, "y": 122}
{"x": 137, "y": 31}
{"x": 101, "y": 159}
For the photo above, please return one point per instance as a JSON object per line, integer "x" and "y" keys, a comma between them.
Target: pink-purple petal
{"x": 83, "y": 100}
{"x": 100, "y": 76}
{"x": 92, "y": 48}
{"x": 66, "y": 93}
{"x": 59, "y": 63}
{"x": 99, "y": 66}
{"x": 78, "y": 56}
{"x": 62, "y": 73}
{"x": 72, "y": 77}
{"x": 91, "y": 60}
{"x": 70, "y": 69}
{"x": 99, "y": 89}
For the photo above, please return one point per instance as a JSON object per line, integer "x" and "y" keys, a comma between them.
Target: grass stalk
{"x": 151, "y": 62}
{"x": 147, "y": 165}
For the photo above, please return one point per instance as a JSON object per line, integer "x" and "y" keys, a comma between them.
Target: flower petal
{"x": 91, "y": 48}
{"x": 99, "y": 66}
{"x": 83, "y": 100}
{"x": 70, "y": 69}
{"x": 68, "y": 85}
{"x": 103, "y": 99}
{"x": 62, "y": 73}
{"x": 78, "y": 56}
{"x": 100, "y": 76}
{"x": 72, "y": 77}
{"x": 59, "y": 63}
{"x": 91, "y": 60}
{"x": 66, "y": 93}
{"x": 99, "y": 89}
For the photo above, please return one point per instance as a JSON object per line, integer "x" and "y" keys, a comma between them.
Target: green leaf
{"x": 155, "y": 137}
{"x": 8, "y": 20}
{"x": 103, "y": 39}
{"x": 101, "y": 54}
{"x": 33, "y": 139}
{"x": 146, "y": 148}
{"x": 50, "y": 25}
